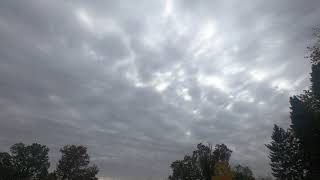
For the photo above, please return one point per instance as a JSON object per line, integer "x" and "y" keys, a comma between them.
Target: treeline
{"x": 206, "y": 162}
{"x": 31, "y": 162}
{"x": 295, "y": 152}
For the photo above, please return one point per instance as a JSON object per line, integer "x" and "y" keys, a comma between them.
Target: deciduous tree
{"x": 201, "y": 164}
{"x": 31, "y": 161}
{"x": 74, "y": 164}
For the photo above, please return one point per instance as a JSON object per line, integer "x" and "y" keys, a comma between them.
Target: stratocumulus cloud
{"x": 141, "y": 83}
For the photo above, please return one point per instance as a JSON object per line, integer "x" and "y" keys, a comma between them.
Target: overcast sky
{"x": 142, "y": 82}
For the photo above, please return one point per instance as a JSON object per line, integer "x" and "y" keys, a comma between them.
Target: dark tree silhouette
{"x": 52, "y": 176}
{"x": 200, "y": 165}
{"x": 74, "y": 164}
{"x": 243, "y": 173}
{"x": 7, "y": 170}
{"x": 30, "y": 161}
{"x": 222, "y": 153}
{"x": 286, "y": 155}
{"x": 305, "y": 115}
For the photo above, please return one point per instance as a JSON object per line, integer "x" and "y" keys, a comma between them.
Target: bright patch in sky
{"x": 84, "y": 18}
{"x": 245, "y": 96}
{"x": 184, "y": 93}
{"x": 229, "y": 107}
{"x": 188, "y": 133}
{"x": 208, "y": 30}
{"x": 168, "y": 8}
{"x": 233, "y": 69}
{"x": 162, "y": 86}
{"x": 206, "y": 40}
{"x": 282, "y": 84}
{"x": 214, "y": 81}
{"x": 258, "y": 75}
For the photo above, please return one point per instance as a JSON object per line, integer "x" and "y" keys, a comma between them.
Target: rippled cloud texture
{"x": 142, "y": 82}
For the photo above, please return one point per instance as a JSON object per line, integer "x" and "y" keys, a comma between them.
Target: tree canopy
{"x": 32, "y": 162}
{"x": 203, "y": 163}
{"x": 243, "y": 173}
{"x": 74, "y": 164}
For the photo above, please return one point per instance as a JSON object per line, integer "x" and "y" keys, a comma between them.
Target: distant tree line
{"x": 295, "y": 153}
{"x": 31, "y": 162}
{"x": 206, "y": 162}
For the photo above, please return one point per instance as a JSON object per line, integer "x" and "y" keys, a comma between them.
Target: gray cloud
{"x": 142, "y": 83}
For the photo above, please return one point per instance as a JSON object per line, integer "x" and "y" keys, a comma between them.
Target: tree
{"x": 201, "y": 164}
{"x": 223, "y": 169}
{"x": 52, "y": 176}
{"x": 222, "y": 153}
{"x": 74, "y": 164}
{"x": 30, "y": 161}
{"x": 305, "y": 114}
{"x": 7, "y": 170}
{"x": 243, "y": 173}
{"x": 286, "y": 155}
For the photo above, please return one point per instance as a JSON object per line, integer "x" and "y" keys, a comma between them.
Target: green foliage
{"x": 74, "y": 164}
{"x": 201, "y": 164}
{"x": 222, "y": 168}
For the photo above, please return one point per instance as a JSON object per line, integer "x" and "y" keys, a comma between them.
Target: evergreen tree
{"x": 305, "y": 115}
{"x": 286, "y": 155}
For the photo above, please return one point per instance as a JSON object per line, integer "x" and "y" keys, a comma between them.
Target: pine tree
{"x": 286, "y": 155}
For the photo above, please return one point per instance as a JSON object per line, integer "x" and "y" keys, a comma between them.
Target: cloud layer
{"x": 141, "y": 83}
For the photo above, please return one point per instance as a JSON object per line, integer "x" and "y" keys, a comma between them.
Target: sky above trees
{"x": 141, "y": 83}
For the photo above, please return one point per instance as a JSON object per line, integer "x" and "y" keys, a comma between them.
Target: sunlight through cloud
{"x": 208, "y": 30}
{"x": 168, "y": 8}
{"x": 84, "y": 18}
{"x": 213, "y": 81}
{"x": 258, "y": 75}
{"x": 162, "y": 86}
{"x": 282, "y": 84}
